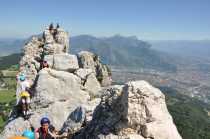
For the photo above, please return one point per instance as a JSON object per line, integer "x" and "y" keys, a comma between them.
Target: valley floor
{"x": 187, "y": 95}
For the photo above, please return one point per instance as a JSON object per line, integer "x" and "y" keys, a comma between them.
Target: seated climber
{"x": 24, "y": 103}
{"x": 46, "y": 131}
{"x": 45, "y": 64}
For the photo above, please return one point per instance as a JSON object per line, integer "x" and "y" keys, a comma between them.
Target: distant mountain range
{"x": 128, "y": 51}
{"x": 123, "y": 52}
{"x": 188, "y": 48}
{"x": 10, "y": 46}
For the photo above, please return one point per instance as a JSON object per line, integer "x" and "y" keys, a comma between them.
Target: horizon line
{"x": 110, "y": 36}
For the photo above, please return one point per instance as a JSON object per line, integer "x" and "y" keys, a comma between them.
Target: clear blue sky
{"x": 147, "y": 19}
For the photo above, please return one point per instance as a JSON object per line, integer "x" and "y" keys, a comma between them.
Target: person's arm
{"x": 29, "y": 83}
{"x": 36, "y": 134}
{"x": 52, "y": 129}
{"x": 17, "y": 77}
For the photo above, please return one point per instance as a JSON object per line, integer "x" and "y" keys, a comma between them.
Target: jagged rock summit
{"x": 135, "y": 110}
{"x": 80, "y": 86}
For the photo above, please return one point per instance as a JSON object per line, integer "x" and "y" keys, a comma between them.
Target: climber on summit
{"x": 57, "y": 26}
{"x": 46, "y": 131}
{"x": 51, "y": 27}
{"x": 56, "y": 31}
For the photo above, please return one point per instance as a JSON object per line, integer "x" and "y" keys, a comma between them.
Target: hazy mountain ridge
{"x": 10, "y": 46}
{"x": 187, "y": 48}
{"x": 130, "y": 51}
{"x": 122, "y": 51}
{"x": 190, "y": 48}
{"x": 116, "y": 50}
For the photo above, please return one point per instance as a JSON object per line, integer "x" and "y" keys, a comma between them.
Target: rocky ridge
{"x": 75, "y": 93}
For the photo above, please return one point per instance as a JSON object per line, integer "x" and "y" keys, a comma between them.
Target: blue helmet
{"x": 44, "y": 120}
{"x": 28, "y": 134}
{"x": 22, "y": 78}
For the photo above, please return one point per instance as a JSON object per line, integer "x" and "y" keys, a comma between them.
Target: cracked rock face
{"x": 59, "y": 89}
{"x": 55, "y": 41}
{"x": 62, "y": 62}
{"x": 32, "y": 54}
{"x": 58, "y": 94}
{"x": 88, "y": 60}
{"x": 135, "y": 110}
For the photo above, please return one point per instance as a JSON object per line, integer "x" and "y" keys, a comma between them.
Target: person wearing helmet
{"x": 19, "y": 77}
{"x": 46, "y": 131}
{"x": 22, "y": 85}
{"x": 28, "y": 134}
{"x": 45, "y": 64}
{"x": 25, "y": 101}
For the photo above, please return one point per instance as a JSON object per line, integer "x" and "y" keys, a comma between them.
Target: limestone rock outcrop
{"x": 29, "y": 63}
{"x": 59, "y": 85}
{"x": 73, "y": 92}
{"x": 75, "y": 120}
{"x": 58, "y": 94}
{"x": 83, "y": 73}
{"x": 62, "y": 62}
{"x": 135, "y": 110}
{"x": 92, "y": 85}
{"x": 56, "y": 41}
{"x": 53, "y": 41}
{"x": 57, "y": 90}
{"x": 88, "y": 60}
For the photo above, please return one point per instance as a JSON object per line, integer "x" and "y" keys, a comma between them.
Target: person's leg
{"x": 23, "y": 106}
{"x": 28, "y": 100}
{"x": 24, "y": 109}
{"x": 27, "y": 105}
{"x": 19, "y": 108}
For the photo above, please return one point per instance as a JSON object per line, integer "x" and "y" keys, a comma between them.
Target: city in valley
{"x": 192, "y": 77}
